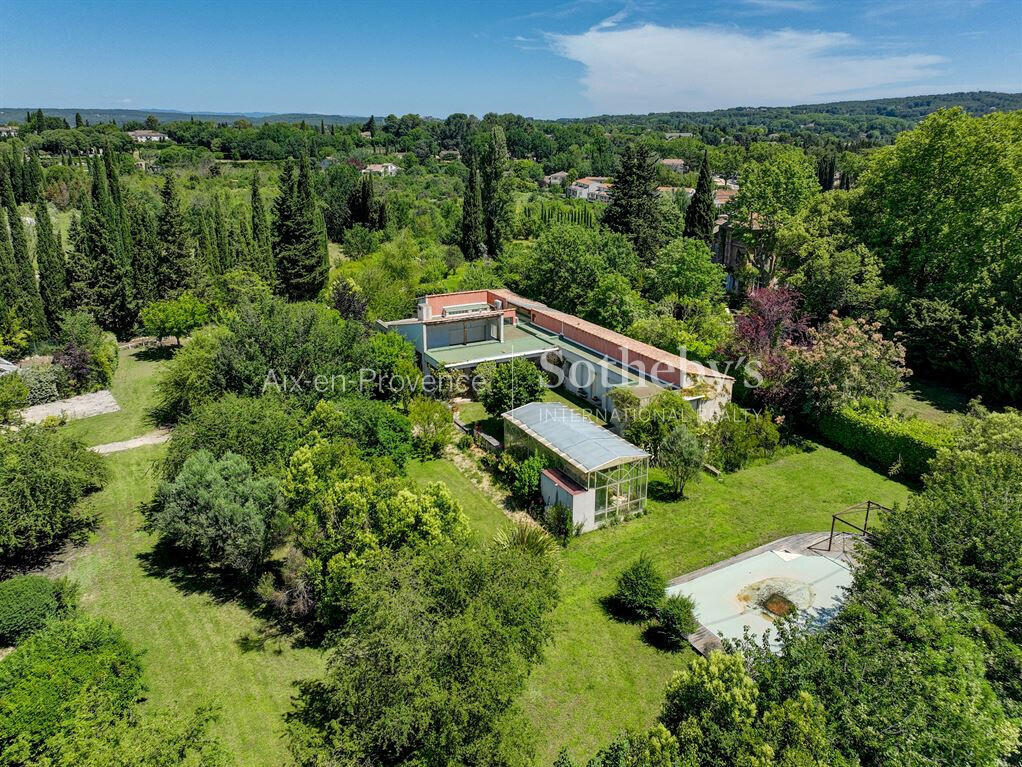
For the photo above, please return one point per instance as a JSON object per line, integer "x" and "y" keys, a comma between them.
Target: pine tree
{"x": 30, "y": 304}
{"x": 699, "y": 215}
{"x": 496, "y": 192}
{"x": 262, "y": 252}
{"x": 112, "y": 291}
{"x": 299, "y": 236}
{"x": 78, "y": 120}
{"x": 52, "y": 272}
{"x": 472, "y": 232}
{"x": 634, "y": 208}
{"x": 173, "y": 260}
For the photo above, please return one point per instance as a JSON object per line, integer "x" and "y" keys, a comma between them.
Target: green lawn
{"x": 929, "y": 400}
{"x": 483, "y": 514}
{"x": 199, "y": 646}
{"x": 599, "y": 677}
{"x": 133, "y": 388}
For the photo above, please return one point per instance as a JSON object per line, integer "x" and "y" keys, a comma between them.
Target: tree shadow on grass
{"x": 655, "y": 636}
{"x": 169, "y": 563}
{"x": 154, "y": 353}
{"x": 614, "y": 610}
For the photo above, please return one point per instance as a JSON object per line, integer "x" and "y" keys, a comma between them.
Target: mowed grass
{"x": 484, "y": 516}
{"x": 199, "y": 647}
{"x": 929, "y": 400}
{"x": 134, "y": 389}
{"x": 599, "y": 676}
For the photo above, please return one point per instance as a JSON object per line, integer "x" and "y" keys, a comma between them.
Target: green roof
{"x": 517, "y": 341}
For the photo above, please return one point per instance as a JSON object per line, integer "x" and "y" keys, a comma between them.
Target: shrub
{"x": 28, "y": 601}
{"x": 262, "y": 430}
{"x": 45, "y": 383}
{"x": 375, "y": 426}
{"x": 219, "y": 513}
{"x": 640, "y": 589}
{"x": 649, "y": 427}
{"x": 89, "y": 354}
{"x": 678, "y": 618}
{"x": 432, "y": 426}
{"x": 506, "y": 385}
{"x": 738, "y": 436}
{"x": 43, "y": 475}
{"x": 681, "y": 457}
{"x": 557, "y": 521}
{"x": 525, "y": 481}
{"x": 13, "y": 396}
{"x": 893, "y": 443}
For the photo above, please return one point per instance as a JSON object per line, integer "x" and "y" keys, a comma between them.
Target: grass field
{"x": 133, "y": 388}
{"x": 483, "y": 514}
{"x": 199, "y": 645}
{"x": 929, "y": 400}
{"x": 599, "y": 676}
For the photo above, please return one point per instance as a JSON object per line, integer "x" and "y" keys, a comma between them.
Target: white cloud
{"x": 653, "y": 68}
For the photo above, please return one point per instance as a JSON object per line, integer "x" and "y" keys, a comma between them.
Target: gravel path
{"x": 152, "y": 438}
{"x": 82, "y": 406}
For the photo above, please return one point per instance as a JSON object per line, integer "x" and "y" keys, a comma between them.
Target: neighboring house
{"x": 674, "y": 163}
{"x": 458, "y": 331}
{"x": 592, "y": 188}
{"x": 448, "y": 155}
{"x": 147, "y": 136}
{"x": 555, "y": 178}
{"x": 670, "y": 136}
{"x": 600, "y": 477}
{"x": 722, "y": 197}
{"x": 382, "y": 169}
{"x": 365, "y": 134}
{"x": 7, "y": 131}
{"x": 7, "y": 367}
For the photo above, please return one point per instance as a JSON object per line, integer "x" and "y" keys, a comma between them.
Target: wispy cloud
{"x": 650, "y": 67}
{"x": 783, "y": 6}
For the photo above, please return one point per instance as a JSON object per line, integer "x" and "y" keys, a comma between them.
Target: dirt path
{"x": 152, "y": 438}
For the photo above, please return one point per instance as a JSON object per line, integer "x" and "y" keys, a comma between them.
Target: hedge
{"x": 28, "y": 601}
{"x": 886, "y": 441}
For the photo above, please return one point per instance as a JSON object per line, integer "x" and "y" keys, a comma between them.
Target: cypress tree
{"x": 112, "y": 291}
{"x": 33, "y": 178}
{"x": 49, "y": 258}
{"x": 496, "y": 194}
{"x": 78, "y": 120}
{"x": 699, "y": 215}
{"x": 16, "y": 172}
{"x": 262, "y": 252}
{"x": 119, "y": 216}
{"x": 40, "y": 121}
{"x": 30, "y": 303}
{"x": 10, "y": 284}
{"x": 361, "y": 203}
{"x": 472, "y": 232}
{"x": 634, "y": 208}
{"x": 172, "y": 259}
{"x": 80, "y": 277}
{"x": 145, "y": 251}
{"x": 299, "y": 237}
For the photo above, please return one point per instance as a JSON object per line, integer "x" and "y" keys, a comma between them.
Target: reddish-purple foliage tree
{"x": 771, "y": 322}
{"x": 77, "y": 361}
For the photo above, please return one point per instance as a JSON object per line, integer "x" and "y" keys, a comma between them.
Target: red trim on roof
{"x": 563, "y": 481}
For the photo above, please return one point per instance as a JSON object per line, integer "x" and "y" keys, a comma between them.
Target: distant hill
{"x": 122, "y": 116}
{"x": 874, "y": 118}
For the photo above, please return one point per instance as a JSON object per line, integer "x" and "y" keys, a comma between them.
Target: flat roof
{"x": 517, "y": 342}
{"x": 574, "y": 437}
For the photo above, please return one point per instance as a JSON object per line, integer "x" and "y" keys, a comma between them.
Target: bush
{"x": 893, "y": 443}
{"x": 525, "y": 481}
{"x": 89, "y": 355}
{"x": 28, "y": 601}
{"x": 375, "y": 426}
{"x": 43, "y": 475}
{"x": 13, "y": 396}
{"x": 681, "y": 457}
{"x": 558, "y": 522}
{"x": 219, "y": 513}
{"x": 176, "y": 317}
{"x": 432, "y": 426}
{"x": 678, "y": 618}
{"x": 738, "y": 436}
{"x": 262, "y": 430}
{"x": 506, "y": 385}
{"x": 640, "y": 589}
{"x": 45, "y": 383}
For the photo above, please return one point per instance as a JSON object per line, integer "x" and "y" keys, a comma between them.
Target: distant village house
{"x": 591, "y": 188}
{"x": 674, "y": 163}
{"x": 381, "y": 169}
{"x": 147, "y": 136}
{"x": 7, "y": 131}
{"x": 555, "y": 178}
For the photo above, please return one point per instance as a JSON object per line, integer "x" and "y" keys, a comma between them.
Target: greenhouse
{"x": 598, "y": 475}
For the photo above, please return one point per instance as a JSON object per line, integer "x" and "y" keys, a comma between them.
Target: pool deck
{"x": 703, "y": 640}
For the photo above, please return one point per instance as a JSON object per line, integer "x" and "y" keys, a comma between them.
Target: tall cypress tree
{"x": 145, "y": 250}
{"x": 472, "y": 232}
{"x": 33, "y": 178}
{"x": 30, "y": 303}
{"x": 496, "y": 192}
{"x": 699, "y": 215}
{"x": 634, "y": 208}
{"x": 362, "y": 202}
{"x": 120, "y": 217}
{"x": 299, "y": 238}
{"x": 10, "y": 284}
{"x": 80, "y": 272}
{"x": 113, "y": 291}
{"x": 52, "y": 271}
{"x": 262, "y": 252}
{"x": 78, "y": 120}
{"x": 173, "y": 259}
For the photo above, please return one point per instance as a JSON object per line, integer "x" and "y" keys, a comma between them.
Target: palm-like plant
{"x": 527, "y": 536}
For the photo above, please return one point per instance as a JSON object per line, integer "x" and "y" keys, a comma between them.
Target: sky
{"x": 540, "y": 59}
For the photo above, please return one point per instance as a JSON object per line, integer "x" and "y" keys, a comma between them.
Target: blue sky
{"x": 544, "y": 59}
